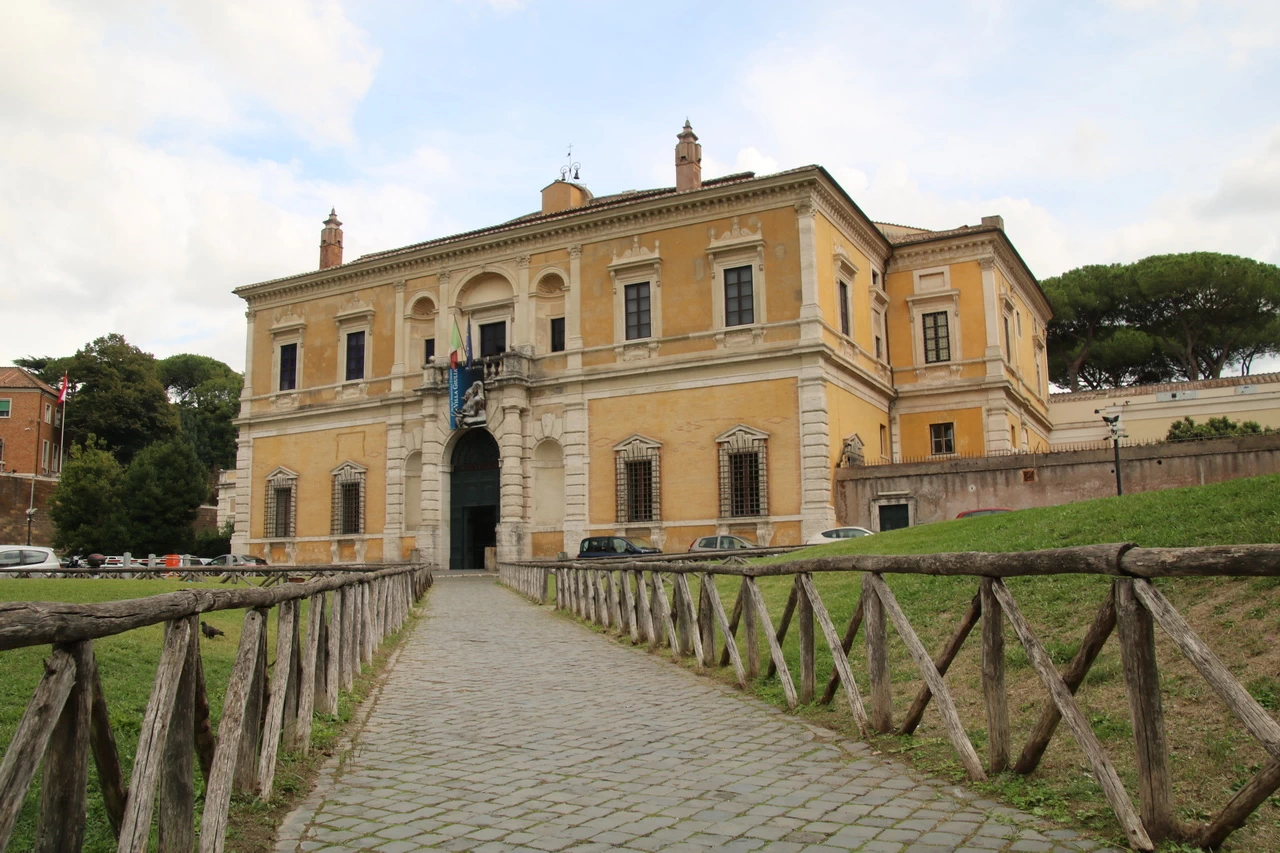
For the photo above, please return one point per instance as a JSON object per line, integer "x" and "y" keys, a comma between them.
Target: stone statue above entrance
{"x": 472, "y": 411}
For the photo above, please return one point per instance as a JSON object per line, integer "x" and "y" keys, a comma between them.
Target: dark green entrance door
{"x": 894, "y": 516}
{"x": 473, "y": 507}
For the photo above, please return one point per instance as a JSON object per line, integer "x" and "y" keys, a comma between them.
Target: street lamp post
{"x": 1113, "y": 424}
{"x": 31, "y": 514}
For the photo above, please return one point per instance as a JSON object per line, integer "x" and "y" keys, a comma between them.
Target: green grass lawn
{"x": 127, "y": 664}
{"x": 1239, "y": 618}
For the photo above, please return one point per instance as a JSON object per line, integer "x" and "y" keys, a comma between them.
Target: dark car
{"x": 237, "y": 560}
{"x": 614, "y": 546}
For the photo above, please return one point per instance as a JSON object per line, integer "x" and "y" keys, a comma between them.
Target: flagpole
{"x": 62, "y": 441}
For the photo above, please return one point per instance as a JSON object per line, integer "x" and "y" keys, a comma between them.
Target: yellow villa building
{"x": 666, "y": 363}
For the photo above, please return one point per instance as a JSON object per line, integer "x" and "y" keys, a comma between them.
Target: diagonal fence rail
{"x": 348, "y": 616}
{"x": 631, "y": 598}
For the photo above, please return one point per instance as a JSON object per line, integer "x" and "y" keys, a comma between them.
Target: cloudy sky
{"x": 155, "y": 154}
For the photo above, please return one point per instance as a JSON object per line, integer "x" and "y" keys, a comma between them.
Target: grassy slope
{"x": 127, "y": 663}
{"x": 1211, "y": 753}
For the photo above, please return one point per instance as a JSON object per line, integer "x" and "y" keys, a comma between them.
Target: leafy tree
{"x": 47, "y": 368}
{"x": 119, "y": 397}
{"x": 1222, "y": 427}
{"x": 85, "y": 506}
{"x": 1087, "y": 303}
{"x": 207, "y": 394}
{"x": 214, "y": 543}
{"x": 164, "y": 485}
{"x": 1208, "y": 310}
{"x": 1123, "y": 355}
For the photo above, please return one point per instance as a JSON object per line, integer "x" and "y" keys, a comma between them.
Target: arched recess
{"x": 548, "y": 306}
{"x": 420, "y": 327}
{"x": 487, "y": 301}
{"x": 413, "y": 492}
{"x": 473, "y": 498}
{"x": 548, "y": 484}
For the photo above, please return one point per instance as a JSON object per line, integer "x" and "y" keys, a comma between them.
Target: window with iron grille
{"x": 638, "y": 481}
{"x": 637, "y": 307}
{"x": 282, "y": 487}
{"x": 739, "y": 303}
{"x": 348, "y": 501}
{"x": 942, "y": 438}
{"x": 355, "y": 356}
{"x": 744, "y": 488}
{"x": 289, "y": 366}
{"x": 937, "y": 339}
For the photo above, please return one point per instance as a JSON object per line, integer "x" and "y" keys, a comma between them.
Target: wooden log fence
{"x": 630, "y": 598}
{"x": 67, "y": 722}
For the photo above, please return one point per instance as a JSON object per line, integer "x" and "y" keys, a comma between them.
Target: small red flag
{"x": 62, "y": 395}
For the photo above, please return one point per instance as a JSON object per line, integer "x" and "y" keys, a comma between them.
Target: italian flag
{"x": 456, "y": 352}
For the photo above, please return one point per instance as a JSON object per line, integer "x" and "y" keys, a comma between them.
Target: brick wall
{"x": 935, "y": 491}
{"x": 15, "y": 494}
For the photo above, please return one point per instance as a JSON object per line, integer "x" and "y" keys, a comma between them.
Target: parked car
{"x": 237, "y": 560}
{"x": 29, "y": 558}
{"x": 836, "y": 534}
{"x": 720, "y": 543}
{"x": 614, "y": 546}
{"x": 970, "y": 513}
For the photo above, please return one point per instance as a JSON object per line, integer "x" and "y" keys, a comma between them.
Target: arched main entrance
{"x": 473, "y": 505}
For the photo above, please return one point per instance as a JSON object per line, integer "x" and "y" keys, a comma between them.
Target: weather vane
{"x": 570, "y": 167}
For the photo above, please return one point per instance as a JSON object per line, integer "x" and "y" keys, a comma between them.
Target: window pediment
{"x": 354, "y": 310}
{"x": 741, "y": 435}
{"x": 636, "y": 256}
{"x": 637, "y": 444}
{"x": 736, "y": 237}
{"x": 287, "y": 321}
{"x": 281, "y": 476}
{"x": 348, "y": 469}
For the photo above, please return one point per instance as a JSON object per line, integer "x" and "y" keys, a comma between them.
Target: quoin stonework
{"x": 666, "y": 363}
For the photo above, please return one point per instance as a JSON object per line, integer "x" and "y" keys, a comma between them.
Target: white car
{"x": 29, "y": 558}
{"x": 835, "y": 534}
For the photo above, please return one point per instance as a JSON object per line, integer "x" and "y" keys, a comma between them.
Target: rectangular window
{"x": 44, "y": 455}
{"x": 942, "y": 438}
{"x": 557, "y": 334}
{"x": 639, "y": 473}
{"x": 744, "y": 483}
{"x": 1017, "y": 315}
{"x": 355, "y": 356}
{"x": 493, "y": 339}
{"x": 879, "y": 349}
{"x": 57, "y": 416}
{"x": 48, "y": 413}
{"x": 5, "y": 406}
{"x": 289, "y": 367}
{"x": 875, "y": 279}
{"x": 637, "y": 307}
{"x": 1008, "y": 344}
{"x": 844, "y": 309}
{"x": 280, "y": 512}
{"x": 937, "y": 340}
{"x": 884, "y": 442}
{"x": 739, "y": 302}
{"x": 348, "y": 502}
{"x": 428, "y": 350}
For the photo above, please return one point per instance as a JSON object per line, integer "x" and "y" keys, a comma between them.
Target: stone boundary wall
{"x": 935, "y": 491}
{"x": 15, "y": 496}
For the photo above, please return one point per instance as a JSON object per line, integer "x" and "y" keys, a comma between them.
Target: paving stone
{"x": 505, "y": 728}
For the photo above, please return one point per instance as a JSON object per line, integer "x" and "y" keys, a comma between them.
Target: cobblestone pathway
{"x": 503, "y": 727}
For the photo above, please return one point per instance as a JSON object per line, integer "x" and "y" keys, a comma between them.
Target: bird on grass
{"x": 209, "y": 631}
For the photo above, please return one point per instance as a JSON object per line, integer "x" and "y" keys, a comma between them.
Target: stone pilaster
{"x": 810, "y": 311}
{"x": 393, "y": 527}
{"x": 247, "y": 390}
{"x": 431, "y": 539}
{"x": 817, "y": 510}
{"x": 574, "y": 444}
{"x": 523, "y": 333}
{"x": 397, "y": 369}
{"x": 993, "y": 354}
{"x": 244, "y": 483}
{"x": 573, "y": 310}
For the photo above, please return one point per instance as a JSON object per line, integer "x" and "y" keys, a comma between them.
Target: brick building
{"x": 30, "y": 420}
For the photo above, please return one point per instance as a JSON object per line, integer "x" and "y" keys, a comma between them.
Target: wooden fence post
{"x": 994, "y": 695}
{"x": 333, "y": 654}
{"x": 307, "y": 676}
{"x": 64, "y": 783}
{"x": 804, "y": 610}
{"x": 706, "y": 622}
{"x": 877, "y": 642}
{"x": 246, "y": 775}
{"x": 1142, "y": 678}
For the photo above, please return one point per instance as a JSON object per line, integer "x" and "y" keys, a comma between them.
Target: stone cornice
{"x": 510, "y": 241}
{"x": 865, "y": 235}
{"x": 975, "y": 247}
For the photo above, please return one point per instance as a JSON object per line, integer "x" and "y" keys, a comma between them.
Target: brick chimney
{"x": 688, "y": 160}
{"x": 331, "y": 241}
